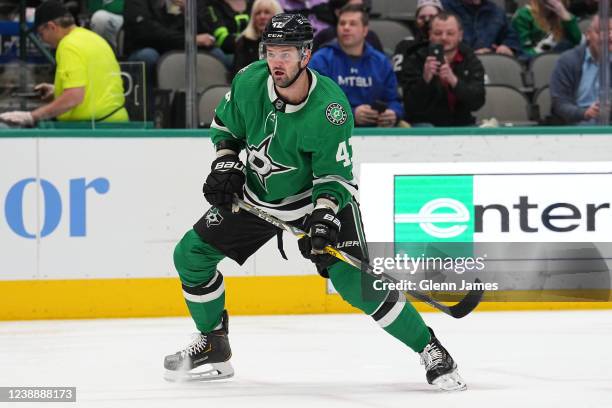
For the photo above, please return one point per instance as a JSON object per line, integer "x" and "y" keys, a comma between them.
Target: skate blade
{"x": 450, "y": 382}
{"x": 215, "y": 371}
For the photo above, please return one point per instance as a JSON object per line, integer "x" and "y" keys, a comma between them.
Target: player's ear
{"x": 306, "y": 58}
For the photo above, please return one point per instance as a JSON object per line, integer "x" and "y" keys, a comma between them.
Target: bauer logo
{"x": 434, "y": 208}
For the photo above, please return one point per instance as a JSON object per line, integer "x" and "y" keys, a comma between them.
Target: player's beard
{"x": 287, "y": 78}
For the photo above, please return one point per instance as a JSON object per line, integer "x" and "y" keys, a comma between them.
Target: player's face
{"x": 446, "y": 33}
{"x": 284, "y": 63}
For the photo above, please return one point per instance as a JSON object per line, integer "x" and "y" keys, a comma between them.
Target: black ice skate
{"x": 440, "y": 366}
{"x": 205, "y": 359}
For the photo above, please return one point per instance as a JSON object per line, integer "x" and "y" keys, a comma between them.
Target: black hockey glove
{"x": 323, "y": 227}
{"x": 226, "y": 178}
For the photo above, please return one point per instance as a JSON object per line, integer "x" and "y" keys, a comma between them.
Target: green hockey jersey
{"x": 295, "y": 153}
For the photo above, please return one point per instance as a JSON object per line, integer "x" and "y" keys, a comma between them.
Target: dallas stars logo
{"x": 262, "y": 163}
{"x": 213, "y": 217}
{"x": 336, "y": 114}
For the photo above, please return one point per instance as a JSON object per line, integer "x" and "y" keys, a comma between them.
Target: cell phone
{"x": 33, "y": 94}
{"x": 437, "y": 51}
{"x": 379, "y": 106}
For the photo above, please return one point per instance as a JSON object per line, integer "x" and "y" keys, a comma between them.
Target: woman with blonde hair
{"x": 247, "y": 46}
{"x": 546, "y": 25}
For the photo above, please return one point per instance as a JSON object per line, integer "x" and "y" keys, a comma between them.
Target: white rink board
{"x": 154, "y": 196}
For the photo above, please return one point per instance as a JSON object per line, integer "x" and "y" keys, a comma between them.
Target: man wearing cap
{"x": 425, "y": 11}
{"x": 87, "y": 84}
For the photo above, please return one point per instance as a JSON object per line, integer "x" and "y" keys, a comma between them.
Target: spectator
{"x": 425, "y": 11}
{"x": 154, "y": 27}
{"x": 317, "y": 11}
{"x": 329, "y": 34}
{"x": 88, "y": 83}
{"x": 574, "y": 84}
{"x": 546, "y": 25}
{"x": 486, "y": 27}
{"x": 584, "y": 8}
{"x": 247, "y": 45}
{"x": 226, "y": 19}
{"x": 443, "y": 94}
{"x": 107, "y": 19}
{"x": 364, "y": 74}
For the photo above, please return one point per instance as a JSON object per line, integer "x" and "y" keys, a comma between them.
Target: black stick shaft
{"x": 458, "y": 310}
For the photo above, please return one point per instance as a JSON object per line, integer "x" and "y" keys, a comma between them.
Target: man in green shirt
{"x": 88, "y": 84}
{"x": 295, "y": 126}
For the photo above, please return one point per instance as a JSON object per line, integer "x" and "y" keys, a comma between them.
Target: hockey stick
{"x": 458, "y": 310}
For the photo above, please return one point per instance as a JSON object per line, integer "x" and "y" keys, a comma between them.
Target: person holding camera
{"x": 444, "y": 80}
{"x": 364, "y": 74}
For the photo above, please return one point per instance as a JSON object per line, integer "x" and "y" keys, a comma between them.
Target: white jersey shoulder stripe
{"x": 347, "y": 184}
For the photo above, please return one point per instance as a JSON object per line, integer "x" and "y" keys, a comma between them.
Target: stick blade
{"x": 468, "y": 303}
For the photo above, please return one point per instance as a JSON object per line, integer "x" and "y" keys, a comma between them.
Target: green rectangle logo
{"x": 434, "y": 208}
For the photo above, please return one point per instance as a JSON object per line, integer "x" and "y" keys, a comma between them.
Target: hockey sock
{"x": 395, "y": 314}
{"x": 203, "y": 287}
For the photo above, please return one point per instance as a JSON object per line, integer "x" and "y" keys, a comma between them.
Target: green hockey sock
{"x": 390, "y": 309}
{"x": 203, "y": 287}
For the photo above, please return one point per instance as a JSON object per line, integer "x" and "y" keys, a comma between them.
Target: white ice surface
{"x": 523, "y": 359}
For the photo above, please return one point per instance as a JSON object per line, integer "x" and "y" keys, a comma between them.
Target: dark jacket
{"x": 403, "y": 50}
{"x": 224, "y": 23}
{"x": 428, "y": 102}
{"x": 147, "y": 24}
{"x": 564, "y": 83}
{"x": 247, "y": 51}
{"x": 484, "y": 25}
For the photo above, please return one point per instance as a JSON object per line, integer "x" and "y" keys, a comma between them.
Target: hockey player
{"x": 295, "y": 126}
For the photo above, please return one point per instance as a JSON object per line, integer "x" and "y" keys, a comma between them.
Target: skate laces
{"x": 431, "y": 356}
{"x": 196, "y": 346}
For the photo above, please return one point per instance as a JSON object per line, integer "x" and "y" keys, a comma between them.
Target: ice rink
{"x": 522, "y": 359}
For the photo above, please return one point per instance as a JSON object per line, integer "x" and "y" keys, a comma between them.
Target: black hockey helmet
{"x": 287, "y": 29}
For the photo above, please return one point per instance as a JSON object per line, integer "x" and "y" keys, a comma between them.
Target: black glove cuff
{"x": 228, "y": 144}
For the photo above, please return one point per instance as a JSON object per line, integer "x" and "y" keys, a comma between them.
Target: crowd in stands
{"x": 435, "y": 77}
